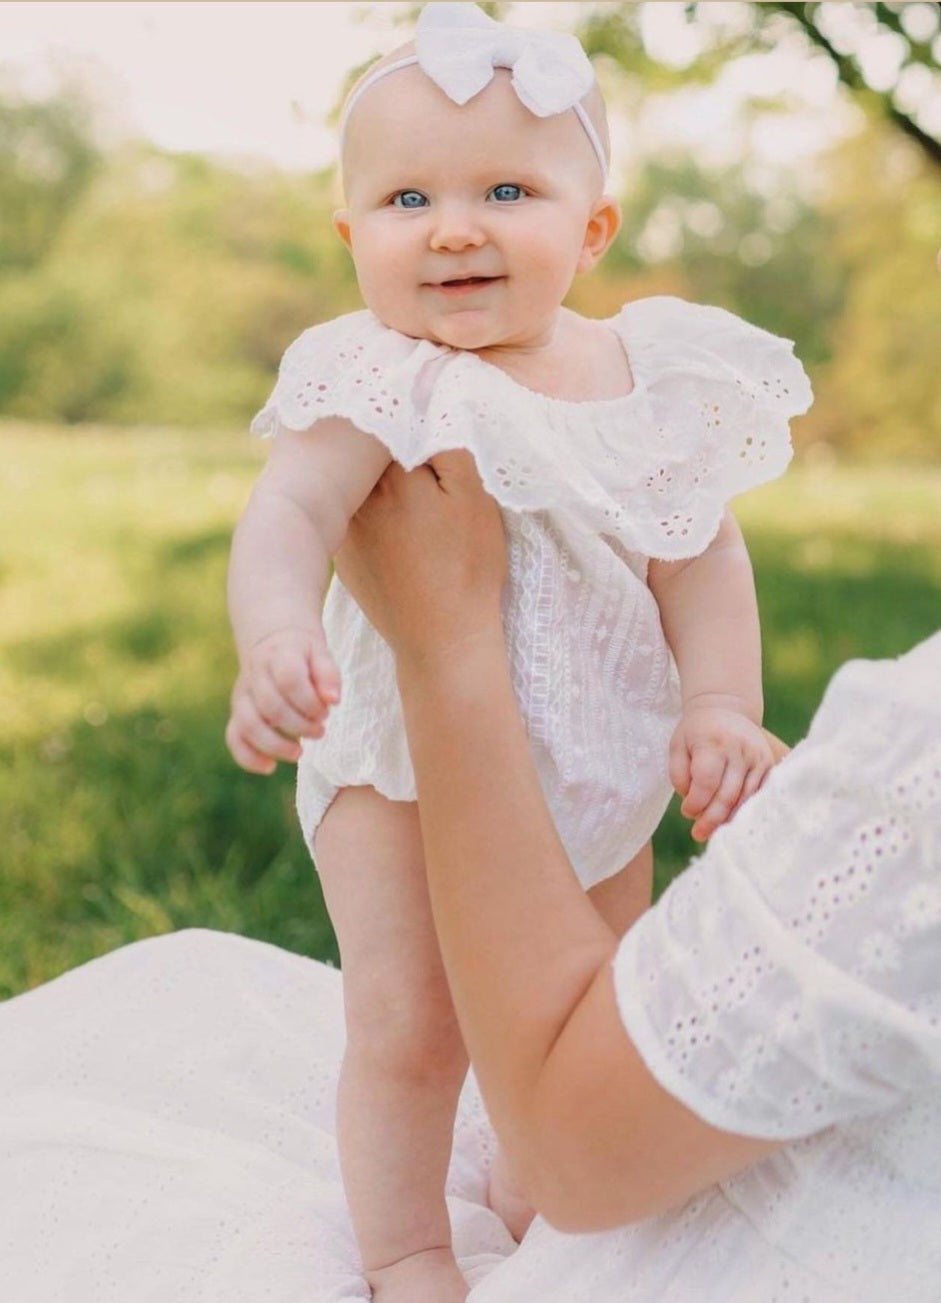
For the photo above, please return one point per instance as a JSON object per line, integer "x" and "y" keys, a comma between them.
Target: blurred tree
{"x": 733, "y": 243}
{"x": 169, "y": 292}
{"x": 840, "y": 259}
{"x": 48, "y": 158}
{"x": 68, "y": 346}
{"x": 880, "y": 395}
{"x": 885, "y": 55}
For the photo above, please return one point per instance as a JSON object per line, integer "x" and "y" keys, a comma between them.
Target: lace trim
{"x": 708, "y": 418}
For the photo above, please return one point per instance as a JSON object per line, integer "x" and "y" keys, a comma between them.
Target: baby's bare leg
{"x": 405, "y": 1060}
{"x": 620, "y": 900}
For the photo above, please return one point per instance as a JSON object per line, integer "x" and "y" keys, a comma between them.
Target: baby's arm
{"x": 719, "y": 753}
{"x": 295, "y": 520}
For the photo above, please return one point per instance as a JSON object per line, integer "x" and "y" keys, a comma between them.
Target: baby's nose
{"x": 456, "y": 228}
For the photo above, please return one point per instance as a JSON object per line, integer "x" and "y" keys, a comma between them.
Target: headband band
{"x": 458, "y": 47}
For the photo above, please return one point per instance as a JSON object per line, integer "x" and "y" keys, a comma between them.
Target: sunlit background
{"x": 166, "y": 184}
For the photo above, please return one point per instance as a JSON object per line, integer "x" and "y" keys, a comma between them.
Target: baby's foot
{"x": 431, "y": 1276}
{"x": 507, "y": 1200}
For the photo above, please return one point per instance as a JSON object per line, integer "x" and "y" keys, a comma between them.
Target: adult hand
{"x": 425, "y": 558}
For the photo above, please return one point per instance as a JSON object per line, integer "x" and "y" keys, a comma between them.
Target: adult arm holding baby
{"x": 761, "y": 1002}
{"x": 497, "y": 869}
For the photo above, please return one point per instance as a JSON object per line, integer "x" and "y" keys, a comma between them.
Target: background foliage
{"x": 145, "y": 298}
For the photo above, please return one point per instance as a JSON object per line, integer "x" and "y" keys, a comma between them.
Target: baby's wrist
{"x": 750, "y": 708}
{"x": 283, "y": 631}
{"x": 252, "y": 647}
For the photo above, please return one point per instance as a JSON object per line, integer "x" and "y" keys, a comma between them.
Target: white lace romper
{"x": 590, "y": 492}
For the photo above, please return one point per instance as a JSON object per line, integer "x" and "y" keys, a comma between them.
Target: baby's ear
{"x": 341, "y": 224}
{"x": 604, "y": 222}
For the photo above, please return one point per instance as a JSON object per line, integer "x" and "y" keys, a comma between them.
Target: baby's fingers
{"x": 325, "y": 676}
{"x": 753, "y": 781}
{"x": 679, "y": 758}
{"x": 257, "y": 748}
{"x": 726, "y": 798}
{"x": 707, "y": 767}
{"x": 776, "y": 747}
{"x": 281, "y": 673}
{"x": 288, "y": 703}
{"x": 254, "y": 742}
{"x": 244, "y": 754}
{"x": 743, "y": 777}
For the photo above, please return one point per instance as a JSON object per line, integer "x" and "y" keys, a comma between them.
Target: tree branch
{"x": 851, "y": 77}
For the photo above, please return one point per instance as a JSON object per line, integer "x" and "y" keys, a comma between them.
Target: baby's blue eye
{"x": 409, "y": 199}
{"x": 506, "y": 193}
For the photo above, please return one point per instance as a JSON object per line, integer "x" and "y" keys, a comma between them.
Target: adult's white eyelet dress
{"x": 167, "y": 1119}
{"x": 590, "y": 492}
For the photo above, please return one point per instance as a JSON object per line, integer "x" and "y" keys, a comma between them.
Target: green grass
{"x": 122, "y": 814}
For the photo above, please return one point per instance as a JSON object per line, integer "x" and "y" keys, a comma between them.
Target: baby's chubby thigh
{"x": 368, "y": 852}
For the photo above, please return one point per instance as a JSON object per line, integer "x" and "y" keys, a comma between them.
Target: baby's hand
{"x": 718, "y": 758}
{"x": 284, "y": 692}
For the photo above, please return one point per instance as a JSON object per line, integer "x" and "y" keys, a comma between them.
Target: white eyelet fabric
{"x": 167, "y": 1127}
{"x": 590, "y": 491}
{"x": 789, "y": 985}
{"x": 167, "y": 1134}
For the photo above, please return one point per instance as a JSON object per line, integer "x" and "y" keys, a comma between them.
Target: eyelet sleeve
{"x": 721, "y": 395}
{"x": 789, "y": 979}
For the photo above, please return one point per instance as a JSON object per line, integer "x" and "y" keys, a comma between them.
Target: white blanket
{"x": 167, "y": 1134}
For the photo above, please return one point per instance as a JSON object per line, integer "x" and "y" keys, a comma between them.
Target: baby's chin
{"x": 457, "y": 333}
{"x": 471, "y": 331}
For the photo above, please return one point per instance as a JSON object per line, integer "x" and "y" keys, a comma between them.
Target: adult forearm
{"x": 510, "y": 913}
{"x": 595, "y": 1139}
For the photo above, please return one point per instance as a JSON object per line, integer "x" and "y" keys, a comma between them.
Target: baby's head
{"x": 469, "y": 213}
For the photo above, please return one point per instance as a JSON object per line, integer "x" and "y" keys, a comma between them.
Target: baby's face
{"x": 467, "y": 224}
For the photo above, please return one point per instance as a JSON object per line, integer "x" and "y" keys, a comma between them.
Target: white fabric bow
{"x": 458, "y": 47}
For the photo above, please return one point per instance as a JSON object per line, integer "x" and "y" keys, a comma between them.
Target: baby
{"x": 475, "y": 168}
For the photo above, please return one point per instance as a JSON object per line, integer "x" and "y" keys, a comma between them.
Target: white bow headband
{"x": 458, "y": 47}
